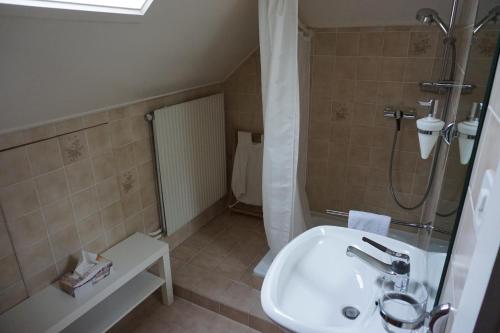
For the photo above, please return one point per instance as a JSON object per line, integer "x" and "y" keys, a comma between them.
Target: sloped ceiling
{"x": 356, "y": 13}
{"x": 56, "y": 64}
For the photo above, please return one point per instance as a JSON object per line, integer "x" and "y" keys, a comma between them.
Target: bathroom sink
{"x": 312, "y": 286}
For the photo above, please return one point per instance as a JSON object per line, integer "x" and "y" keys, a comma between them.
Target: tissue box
{"x": 89, "y": 271}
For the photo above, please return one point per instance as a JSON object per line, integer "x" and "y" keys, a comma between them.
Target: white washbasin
{"x": 312, "y": 279}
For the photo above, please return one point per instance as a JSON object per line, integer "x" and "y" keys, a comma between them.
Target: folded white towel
{"x": 374, "y": 223}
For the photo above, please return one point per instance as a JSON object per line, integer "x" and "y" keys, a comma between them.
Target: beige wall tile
{"x": 97, "y": 246}
{"x": 58, "y": 215}
{"x": 85, "y": 203}
{"x": 112, "y": 215}
{"x": 27, "y": 230}
{"x": 393, "y": 69}
{"x": 347, "y": 44}
{"x": 80, "y": 175}
{"x": 52, "y": 186}
{"x": 104, "y": 166}
{"x": 148, "y": 194}
{"x": 131, "y": 204}
{"x": 143, "y": 151}
{"x": 116, "y": 234}
{"x": 324, "y": 44}
{"x": 140, "y": 128}
{"x": 35, "y": 258}
{"x": 11, "y": 296}
{"x": 121, "y": 132}
{"x": 41, "y": 280}
{"x": 344, "y": 68}
{"x": 45, "y": 156}
{"x": 108, "y": 191}
{"x": 18, "y": 199}
{"x": 128, "y": 182}
{"x": 423, "y": 44}
{"x": 396, "y": 44}
{"x": 73, "y": 147}
{"x": 418, "y": 70}
{"x": 151, "y": 218}
{"x": 6, "y": 246}
{"x": 14, "y": 166}
{"x": 10, "y": 271}
{"x": 65, "y": 242}
{"x": 371, "y": 44}
{"x": 99, "y": 139}
{"x": 368, "y": 68}
{"x": 146, "y": 173}
{"x": 134, "y": 224}
{"x": 90, "y": 228}
{"x": 124, "y": 157}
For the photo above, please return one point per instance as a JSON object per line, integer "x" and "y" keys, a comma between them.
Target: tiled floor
{"x": 214, "y": 284}
{"x": 182, "y": 317}
{"x": 214, "y": 269}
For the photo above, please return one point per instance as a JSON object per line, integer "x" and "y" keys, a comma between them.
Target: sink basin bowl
{"x": 312, "y": 281}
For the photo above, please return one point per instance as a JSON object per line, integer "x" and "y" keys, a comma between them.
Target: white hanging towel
{"x": 374, "y": 223}
{"x": 246, "y": 181}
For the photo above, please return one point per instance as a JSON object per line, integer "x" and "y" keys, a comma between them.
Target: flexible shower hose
{"x": 451, "y": 77}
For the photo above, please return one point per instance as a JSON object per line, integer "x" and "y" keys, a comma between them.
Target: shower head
{"x": 429, "y": 16}
{"x": 492, "y": 16}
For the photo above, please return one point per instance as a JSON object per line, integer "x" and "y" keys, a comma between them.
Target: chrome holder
{"x": 449, "y": 133}
{"x": 444, "y": 86}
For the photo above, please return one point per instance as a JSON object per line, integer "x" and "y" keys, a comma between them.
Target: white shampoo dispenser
{"x": 429, "y": 128}
{"x": 467, "y": 133}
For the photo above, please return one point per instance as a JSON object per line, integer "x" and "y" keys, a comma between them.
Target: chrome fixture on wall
{"x": 492, "y": 16}
{"x": 429, "y": 16}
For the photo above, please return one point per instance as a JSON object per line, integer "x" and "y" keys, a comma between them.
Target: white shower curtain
{"x": 283, "y": 178}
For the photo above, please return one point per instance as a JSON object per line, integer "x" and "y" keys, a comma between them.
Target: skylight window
{"x": 131, "y": 7}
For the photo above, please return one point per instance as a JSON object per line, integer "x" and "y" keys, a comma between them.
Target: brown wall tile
{"x": 45, "y": 156}
{"x": 14, "y": 166}
{"x": 52, "y": 186}
{"x": 18, "y": 199}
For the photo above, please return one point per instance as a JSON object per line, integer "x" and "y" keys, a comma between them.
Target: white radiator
{"x": 191, "y": 158}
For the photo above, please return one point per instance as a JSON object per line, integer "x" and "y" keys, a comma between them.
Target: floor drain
{"x": 350, "y": 312}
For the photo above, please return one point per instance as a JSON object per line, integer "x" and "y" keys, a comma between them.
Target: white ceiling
{"x": 364, "y": 13}
{"x": 56, "y": 64}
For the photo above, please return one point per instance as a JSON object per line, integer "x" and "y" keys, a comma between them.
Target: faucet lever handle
{"x": 385, "y": 249}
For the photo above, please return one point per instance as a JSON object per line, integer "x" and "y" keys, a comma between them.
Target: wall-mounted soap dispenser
{"x": 467, "y": 132}
{"x": 429, "y": 128}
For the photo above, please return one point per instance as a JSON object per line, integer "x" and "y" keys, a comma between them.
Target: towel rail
{"x": 426, "y": 226}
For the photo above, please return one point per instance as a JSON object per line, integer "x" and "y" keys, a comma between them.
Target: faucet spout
{"x": 372, "y": 261}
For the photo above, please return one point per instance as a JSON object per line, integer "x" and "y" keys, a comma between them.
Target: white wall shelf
{"x": 52, "y": 310}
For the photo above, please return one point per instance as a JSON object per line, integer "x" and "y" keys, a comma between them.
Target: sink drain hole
{"x": 350, "y": 312}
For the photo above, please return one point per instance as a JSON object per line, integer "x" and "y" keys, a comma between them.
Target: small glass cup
{"x": 403, "y": 312}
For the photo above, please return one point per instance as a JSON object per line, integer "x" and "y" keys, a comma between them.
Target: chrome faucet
{"x": 398, "y": 269}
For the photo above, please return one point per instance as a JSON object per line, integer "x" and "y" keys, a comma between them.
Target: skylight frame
{"x": 77, "y": 5}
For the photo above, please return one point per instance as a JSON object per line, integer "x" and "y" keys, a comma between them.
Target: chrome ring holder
{"x": 427, "y": 319}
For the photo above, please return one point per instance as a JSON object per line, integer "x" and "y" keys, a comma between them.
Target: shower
{"x": 492, "y": 16}
{"x": 430, "y": 16}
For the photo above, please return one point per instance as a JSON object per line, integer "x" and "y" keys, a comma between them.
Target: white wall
{"x": 59, "y": 63}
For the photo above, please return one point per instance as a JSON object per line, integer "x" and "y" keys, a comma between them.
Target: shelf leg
{"x": 167, "y": 292}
